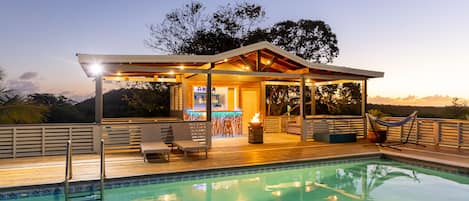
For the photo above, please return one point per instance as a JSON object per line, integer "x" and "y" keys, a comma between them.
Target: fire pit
{"x": 256, "y": 131}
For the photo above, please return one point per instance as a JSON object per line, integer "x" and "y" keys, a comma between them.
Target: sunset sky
{"x": 421, "y": 45}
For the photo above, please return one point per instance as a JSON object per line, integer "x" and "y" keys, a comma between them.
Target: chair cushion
{"x": 189, "y": 145}
{"x": 154, "y": 147}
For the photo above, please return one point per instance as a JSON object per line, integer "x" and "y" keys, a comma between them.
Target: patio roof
{"x": 196, "y": 63}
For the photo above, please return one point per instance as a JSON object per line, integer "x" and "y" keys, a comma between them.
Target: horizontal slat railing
{"x": 430, "y": 131}
{"x": 45, "y": 140}
{"x": 334, "y": 125}
{"x": 126, "y": 137}
{"x": 273, "y": 124}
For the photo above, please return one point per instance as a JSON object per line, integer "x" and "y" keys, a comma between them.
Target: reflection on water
{"x": 366, "y": 180}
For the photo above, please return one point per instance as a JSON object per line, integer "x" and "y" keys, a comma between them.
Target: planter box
{"x": 335, "y": 138}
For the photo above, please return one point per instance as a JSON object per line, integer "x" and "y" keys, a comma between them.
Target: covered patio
{"x": 241, "y": 82}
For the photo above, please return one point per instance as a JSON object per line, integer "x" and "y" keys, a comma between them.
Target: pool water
{"x": 375, "y": 179}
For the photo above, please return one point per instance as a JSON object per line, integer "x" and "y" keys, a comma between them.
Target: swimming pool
{"x": 361, "y": 179}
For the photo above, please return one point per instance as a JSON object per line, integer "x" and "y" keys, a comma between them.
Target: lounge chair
{"x": 182, "y": 139}
{"x": 151, "y": 142}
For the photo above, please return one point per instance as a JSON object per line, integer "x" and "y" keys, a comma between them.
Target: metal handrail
{"x": 103, "y": 169}
{"x": 68, "y": 169}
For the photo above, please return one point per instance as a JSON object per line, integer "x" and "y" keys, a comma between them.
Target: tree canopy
{"x": 14, "y": 109}
{"x": 60, "y": 108}
{"x": 190, "y": 30}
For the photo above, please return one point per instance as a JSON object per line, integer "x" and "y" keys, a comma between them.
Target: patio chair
{"x": 182, "y": 139}
{"x": 151, "y": 142}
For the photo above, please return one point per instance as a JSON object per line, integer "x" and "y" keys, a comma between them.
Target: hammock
{"x": 402, "y": 122}
{"x": 393, "y": 124}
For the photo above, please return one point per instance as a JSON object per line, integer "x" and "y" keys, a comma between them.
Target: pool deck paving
{"x": 234, "y": 152}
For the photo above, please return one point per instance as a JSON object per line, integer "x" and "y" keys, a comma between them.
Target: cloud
{"x": 28, "y": 75}
{"x": 23, "y": 87}
{"x": 435, "y": 100}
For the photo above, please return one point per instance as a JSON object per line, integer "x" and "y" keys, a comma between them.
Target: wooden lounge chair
{"x": 182, "y": 139}
{"x": 151, "y": 142}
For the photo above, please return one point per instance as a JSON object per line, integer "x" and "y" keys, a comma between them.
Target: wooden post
{"x": 263, "y": 101}
{"x": 302, "y": 109}
{"x": 365, "y": 127}
{"x": 304, "y": 129}
{"x": 364, "y": 97}
{"x": 436, "y": 133}
{"x": 460, "y": 136}
{"x": 209, "y": 105}
{"x": 98, "y": 99}
{"x": 14, "y": 143}
{"x": 208, "y": 128}
{"x": 208, "y": 102}
{"x": 364, "y": 102}
{"x": 258, "y": 61}
{"x": 43, "y": 140}
{"x": 313, "y": 99}
{"x": 97, "y": 137}
{"x": 417, "y": 131}
{"x": 302, "y": 97}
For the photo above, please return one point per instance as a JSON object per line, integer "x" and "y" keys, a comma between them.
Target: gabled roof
{"x": 86, "y": 59}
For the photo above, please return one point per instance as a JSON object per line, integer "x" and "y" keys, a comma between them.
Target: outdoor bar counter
{"x": 224, "y": 123}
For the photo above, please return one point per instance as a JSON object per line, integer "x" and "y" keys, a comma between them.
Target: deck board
{"x": 233, "y": 152}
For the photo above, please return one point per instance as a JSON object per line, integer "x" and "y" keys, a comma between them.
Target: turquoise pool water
{"x": 380, "y": 180}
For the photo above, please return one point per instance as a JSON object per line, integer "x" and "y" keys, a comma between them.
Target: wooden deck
{"x": 233, "y": 152}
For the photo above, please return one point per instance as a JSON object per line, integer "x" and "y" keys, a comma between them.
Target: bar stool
{"x": 227, "y": 128}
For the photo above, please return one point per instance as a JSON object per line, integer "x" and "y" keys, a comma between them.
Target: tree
{"x": 60, "y": 108}
{"x": 15, "y": 110}
{"x": 338, "y": 99}
{"x": 279, "y": 97}
{"x": 458, "y": 109}
{"x": 188, "y": 30}
{"x": 311, "y": 40}
{"x": 179, "y": 26}
{"x": 148, "y": 99}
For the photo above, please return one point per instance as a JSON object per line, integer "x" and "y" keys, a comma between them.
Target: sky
{"x": 421, "y": 45}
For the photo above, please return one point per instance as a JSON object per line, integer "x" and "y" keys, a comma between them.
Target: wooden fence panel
{"x": 126, "y": 137}
{"x": 435, "y": 132}
{"x": 464, "y": 139}
{"x": 273, "y": 124}
{"x": 336, "y": 126}
{"x": 6, "y": 142}
{"x": 43, "y": 140}
{"x": 121, "y": 137}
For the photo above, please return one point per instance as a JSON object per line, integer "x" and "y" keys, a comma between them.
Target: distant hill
{"x": 447, "y": 112}
{"x": 115, "y": 106}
